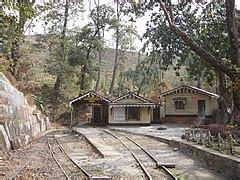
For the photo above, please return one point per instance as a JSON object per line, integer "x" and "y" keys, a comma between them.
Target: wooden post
{"x": 219, "y": 142}
{"x": 71, "y": 116}
{"x": 193, "y": 134}
{"x": 201, "y": 140}
{"x": 209, "y": 138}
{"x": 231, "y": 144}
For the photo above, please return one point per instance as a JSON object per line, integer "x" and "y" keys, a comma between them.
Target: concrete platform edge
{"x": 92, "y": 144}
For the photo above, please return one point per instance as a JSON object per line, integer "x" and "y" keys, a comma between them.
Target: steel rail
{"x": 71, "y": 159}
{"x": 153, "y": 158}
{"x": 55, "y": 159}
{"x": 43, "y": 165}
{"x": 132, "y": 153}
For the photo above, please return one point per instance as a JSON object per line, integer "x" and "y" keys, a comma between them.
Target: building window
{"x": 133, "y": 113}
{"x": 179, "y": 103}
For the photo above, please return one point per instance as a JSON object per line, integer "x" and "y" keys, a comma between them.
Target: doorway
{"x": 97, "y": 114}
{"x": 156, "y": 115}
{"x": 201, "y": 109}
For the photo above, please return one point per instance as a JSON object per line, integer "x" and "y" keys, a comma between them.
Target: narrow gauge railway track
{"x": 144, "y": 169}
{"x": 18, "y": 171}
{"x": 65, "y": 162}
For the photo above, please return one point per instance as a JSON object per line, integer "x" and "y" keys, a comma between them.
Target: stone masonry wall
{"x": 19, "y": 122}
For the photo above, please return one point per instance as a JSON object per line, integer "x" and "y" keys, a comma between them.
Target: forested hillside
{"x": 183, "y": 43}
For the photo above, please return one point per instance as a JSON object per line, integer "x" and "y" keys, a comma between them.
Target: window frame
{"x": 138, "y": 113}
{"x": 179, "y": 103}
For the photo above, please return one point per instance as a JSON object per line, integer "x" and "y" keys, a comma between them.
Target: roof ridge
{"x": 133, "y": 93}
{"x": 191, "y": 87}
{"x": 90, "y": 91}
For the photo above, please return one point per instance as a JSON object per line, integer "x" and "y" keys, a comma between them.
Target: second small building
{"x": 131, "y": 109}
{"x": 186, "y": 104}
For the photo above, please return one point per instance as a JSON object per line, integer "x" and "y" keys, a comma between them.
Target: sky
{"x": 83, "y": 19}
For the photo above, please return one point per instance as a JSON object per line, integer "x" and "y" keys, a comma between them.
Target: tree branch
{"x": 205, "y": 55}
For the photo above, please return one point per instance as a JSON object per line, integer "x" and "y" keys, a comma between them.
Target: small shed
{"x": 99, "y": 106}
{"x": 131, "y": 109}
{"x": 186, "y": 104}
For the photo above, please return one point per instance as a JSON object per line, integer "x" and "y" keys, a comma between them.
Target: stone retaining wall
{"x": 19, "y": 122}
{"x": 226, "y": 164}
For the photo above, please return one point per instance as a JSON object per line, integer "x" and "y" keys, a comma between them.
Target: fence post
{"x": 219, "y": 142}
{"x": 231, "y": 144}
{"x": 193, "y": 132}
{"x": 209, "y": 138}
{"x": 201, "y": 140}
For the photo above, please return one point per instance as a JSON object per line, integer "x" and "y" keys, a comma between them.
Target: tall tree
{"x": 102, "y": 19}
{"x": 116, "y": 50}
{"x": 63, "y": 55}
{"x": 15, "y": 15}
{"x": 199, "y": 25}
{"x": 204, "y": 54}
{"x": 124, "y": 36}
{"x": 56, "y": 19}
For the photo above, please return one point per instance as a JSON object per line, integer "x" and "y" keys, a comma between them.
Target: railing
{"x": 204, "y": 137}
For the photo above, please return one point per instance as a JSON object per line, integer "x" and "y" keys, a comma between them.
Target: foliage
{"x": 14, "y": 17}
{"x": 40, "y": 102}
{"x": 199, "y": 23}
{"x": 146, "y": 74}
{"x": 82, "y": 62}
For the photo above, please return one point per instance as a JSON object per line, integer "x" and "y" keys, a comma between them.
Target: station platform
{"x": 93, "y": 136}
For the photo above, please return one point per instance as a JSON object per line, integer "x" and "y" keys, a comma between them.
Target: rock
{"x": 161, "y": 128}
{"x": 175, "y": 149}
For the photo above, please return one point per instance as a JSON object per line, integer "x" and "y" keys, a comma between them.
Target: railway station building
{"x": 127, "y": 109}
{"x": 184, "y": 104}
{"x": 188, "y": 104}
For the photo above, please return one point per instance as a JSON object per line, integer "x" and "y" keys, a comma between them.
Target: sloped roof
{"x": 89, "y": 94}
{"x": 192, "y": 89}
{"x": 131, "y": 95}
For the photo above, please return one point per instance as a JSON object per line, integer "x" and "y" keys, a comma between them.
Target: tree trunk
{"x": 99, "y": 61}
{"x": 55, "y": 98}
{"x": 234, "y": 36}
{"x": 15, "y": 50}
{"x": 222, "y": 99}
{"x": 232, "y": 30}
{"x": 114, "y": 69}
{"x": 99, "y": 70}
{"x": 82, "y": 79}
{"x": 84, "y": 69}
{"x": 58, "y": 82}
{"x": 116, "y": 55}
